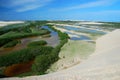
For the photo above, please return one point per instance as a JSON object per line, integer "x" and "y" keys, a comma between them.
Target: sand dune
{"x": 5, "y": 23}
{"x": 104, "y": 64}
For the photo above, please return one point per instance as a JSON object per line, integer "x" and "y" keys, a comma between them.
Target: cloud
{"x": 27, "y": 8}
{"x": 88, "y": 5}
{"x": 24, "y": 5}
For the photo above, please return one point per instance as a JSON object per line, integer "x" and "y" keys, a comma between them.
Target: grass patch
{"x": 71, "y": 54}
{"x": 37, "y": 43}
{"x": 23, "y": 55}
{"x": 12, "y": 43}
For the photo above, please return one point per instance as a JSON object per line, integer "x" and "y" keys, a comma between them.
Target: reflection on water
{"x": 52, "y": 41}
{"x": 80, "y": 37}
{"x": 84, "y": 30}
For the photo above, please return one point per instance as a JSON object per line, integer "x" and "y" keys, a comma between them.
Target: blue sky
{"x": 93, "y": 10}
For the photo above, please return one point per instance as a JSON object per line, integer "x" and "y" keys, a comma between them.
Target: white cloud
{"x": 21, "y": 2}
{"x": 24, "y": 5}
{"x": 26, "y": 8}
{"x": 88, "y": 5}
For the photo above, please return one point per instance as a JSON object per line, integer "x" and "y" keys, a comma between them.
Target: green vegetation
{"x": 4, "y": 41}
{"x": 111, "y": 24}
{"x": 12, "y": 43}
{"x": 42, "y": 63}
{"x": 43, "y": 56}
{"x": 15, "y": 27}
{"x": 16, "y": 35}
{"x": 2, "y": 70}
{"x": 23, "y": 55}
{"x": 37, "y": 43}
{"x": 9, "y": 33}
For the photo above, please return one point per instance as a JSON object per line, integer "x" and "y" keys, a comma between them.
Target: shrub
{"x": 37, "y": 43}
{"x": 23, "y": 55}
{"x": 3, "y": 41}
{"x": 12, "y": 43}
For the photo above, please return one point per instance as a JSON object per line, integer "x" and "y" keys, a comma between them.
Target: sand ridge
{"x": 5, "y": 23}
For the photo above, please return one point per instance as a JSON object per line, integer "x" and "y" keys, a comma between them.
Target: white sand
{"x": 107, "y": 41}
{"x": 89, "y": 22}
{"x": 5, "y": 23}
{"x": 105, "y": 65}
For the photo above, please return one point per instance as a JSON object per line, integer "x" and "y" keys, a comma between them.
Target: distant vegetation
{"x": 111, "y": 25}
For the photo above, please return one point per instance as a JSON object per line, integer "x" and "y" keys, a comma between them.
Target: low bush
{"x": 12, "y": 43}
{"x": 3, "y": 41}
{"x": 23, "y": 55}
{"x": 37, "y": 43}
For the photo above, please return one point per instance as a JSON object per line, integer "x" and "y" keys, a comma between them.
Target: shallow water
{"x": 81, "y": 37}
{"x": 84, "y": 30}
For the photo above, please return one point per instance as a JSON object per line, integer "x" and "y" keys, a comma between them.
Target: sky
{"x": 90, "y": 10}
